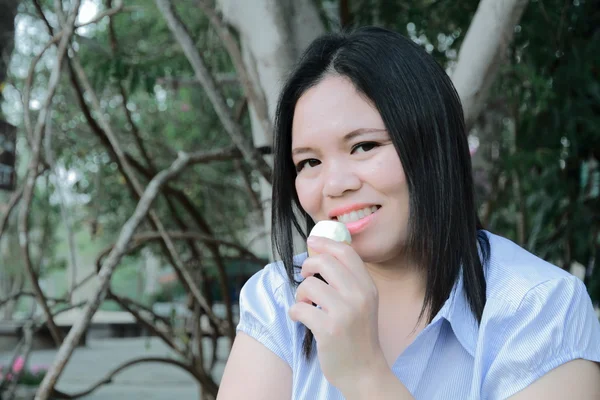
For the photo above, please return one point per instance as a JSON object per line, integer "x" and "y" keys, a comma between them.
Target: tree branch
{"x": 32, "y": 169}
{"x": 66, "y": 218}
{"x": 14, "y": 200}
{"x": 126, "y": 305}
{"x": 29, "y": 84}
{"x": 129, "y": 302}
{"x": 174, "y": 83}
{"x": 254, "y": 94}
{"x": 246, "y": 177}
{"x": 141, "y": 239}
{"x": 134, "y": 129}
{"x": 18, "y": 294}
{"x": 204, "y": 77}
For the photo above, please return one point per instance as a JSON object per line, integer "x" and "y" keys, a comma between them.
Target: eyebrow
{"x": 348, "y": 137}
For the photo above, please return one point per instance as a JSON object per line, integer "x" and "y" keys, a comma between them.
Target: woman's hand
{"x": 345, "y": 323}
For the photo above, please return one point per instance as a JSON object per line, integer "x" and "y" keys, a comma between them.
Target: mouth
{"x": 356, "y": 215}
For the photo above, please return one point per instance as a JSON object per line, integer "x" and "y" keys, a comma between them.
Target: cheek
{"x": 398, "y": 188}
{"x": 308, "y": 194}
{"x": 388, "y": 176}
{"x": 396, "y": 182}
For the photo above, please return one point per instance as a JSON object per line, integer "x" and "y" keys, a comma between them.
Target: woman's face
{"x": 348, "y": 168}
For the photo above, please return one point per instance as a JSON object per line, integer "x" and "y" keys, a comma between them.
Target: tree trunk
{"x": 483, "y": 51}
{"x": 274, "y": 33}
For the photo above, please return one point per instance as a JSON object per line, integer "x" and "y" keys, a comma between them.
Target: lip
{"x": 349, "y": 208}
{"x": 356, "y": 226}
{"x": 360, "y": 225}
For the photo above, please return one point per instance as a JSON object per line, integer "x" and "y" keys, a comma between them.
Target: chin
{"x": 371, "y": 255}
{"x": 378, "y": 252}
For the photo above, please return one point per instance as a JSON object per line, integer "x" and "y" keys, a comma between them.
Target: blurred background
{"x": 98, "y": 96}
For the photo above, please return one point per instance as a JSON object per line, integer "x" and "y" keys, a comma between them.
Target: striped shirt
{"x": 537, "y": 317}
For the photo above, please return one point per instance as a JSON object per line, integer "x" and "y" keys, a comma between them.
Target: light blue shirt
{"x": 537, "y": 317}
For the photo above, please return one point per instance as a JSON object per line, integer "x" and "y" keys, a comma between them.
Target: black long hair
{"x": 422, "y": 112}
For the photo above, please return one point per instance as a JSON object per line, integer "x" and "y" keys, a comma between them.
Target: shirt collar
{"x": 457, "y": 312}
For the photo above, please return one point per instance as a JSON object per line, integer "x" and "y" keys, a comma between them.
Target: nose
{"x": 339, "y": 178}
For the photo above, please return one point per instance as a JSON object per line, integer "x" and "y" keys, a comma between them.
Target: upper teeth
{"x": 356, "y": 215}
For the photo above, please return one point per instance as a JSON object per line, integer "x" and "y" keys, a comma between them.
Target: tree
{"x": 128, "y": 105}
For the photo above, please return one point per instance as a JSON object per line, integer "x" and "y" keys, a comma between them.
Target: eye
{"x": 311, "y": 162}
{"x": 364, "y": 147}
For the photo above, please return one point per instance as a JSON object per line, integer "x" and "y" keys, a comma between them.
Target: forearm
{"x": 382, "y": 384}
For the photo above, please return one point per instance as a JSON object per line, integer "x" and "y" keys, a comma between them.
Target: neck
{"x": 402, "y": 282}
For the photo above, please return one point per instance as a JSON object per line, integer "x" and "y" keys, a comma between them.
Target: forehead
{"x": 330, "y": 110}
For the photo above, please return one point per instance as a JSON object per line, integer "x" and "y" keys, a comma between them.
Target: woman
{"x": 424, "y": 304}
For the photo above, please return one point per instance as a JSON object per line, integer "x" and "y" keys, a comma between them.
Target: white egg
{"x": 333, "y": 230}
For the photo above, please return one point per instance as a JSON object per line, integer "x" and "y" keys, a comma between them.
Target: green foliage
{"x": 549, "y": 90}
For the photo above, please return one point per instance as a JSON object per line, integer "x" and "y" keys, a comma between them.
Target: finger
{"x": 313, "y": 290}
{"x": 332, "y": 270}
{"x": 342, "y": 252}
{"x": 313, "y": 318}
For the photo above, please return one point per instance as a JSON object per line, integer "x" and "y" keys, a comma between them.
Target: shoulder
{"x": 264, "y": 303}
{"x": 513, "y": 272}
{"x": 523, "y": 289}
{"x": 537, "y": 317}
{"x": 272, "y": 283}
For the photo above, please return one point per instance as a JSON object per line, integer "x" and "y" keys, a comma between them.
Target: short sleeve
{"x": 554, "y": 323}
{"x": 263, "y": 311}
